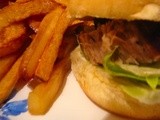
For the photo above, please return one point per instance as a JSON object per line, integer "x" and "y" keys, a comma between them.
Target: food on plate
{"x": 8, "y": 82}
{"x": 44, "y": 95}
{"x": 12, "y": 38}
{"x": 50, "y": 52}
{"x": 20, "y": 11}
{"x": 117, "y": 62}
{"x": 6, "y": 63}
{"x": 42, "y": 36}
{"x": 32, "y": 56}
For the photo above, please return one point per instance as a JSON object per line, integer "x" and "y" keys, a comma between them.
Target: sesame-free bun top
{"x": 116, "y": 9}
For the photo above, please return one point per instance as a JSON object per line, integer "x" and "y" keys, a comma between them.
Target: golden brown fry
{"x": 20, "y": 11}
{"x": 50, "y": 53}
{"x": 8, "y": 82}
{"x": 6, "y": 63}
{"x": 35, "y": 50}
{"x": 44, "y": 95}
{"x": 11, "y": 38}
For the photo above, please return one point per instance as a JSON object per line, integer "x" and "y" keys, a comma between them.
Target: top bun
{"x": 116, "y": 9}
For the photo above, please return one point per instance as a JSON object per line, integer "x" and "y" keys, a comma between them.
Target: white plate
{"x": 72, "y": 104}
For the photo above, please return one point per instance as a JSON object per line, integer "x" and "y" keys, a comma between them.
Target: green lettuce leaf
{"x": 152, "y": 81}
{"x": 142, "y": 93}
{"x": 149, "y": 75}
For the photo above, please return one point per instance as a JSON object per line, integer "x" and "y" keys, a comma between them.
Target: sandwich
{"x": 117, "y": 62}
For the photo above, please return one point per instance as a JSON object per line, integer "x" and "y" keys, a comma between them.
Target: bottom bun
{"x": 106, "y": 93}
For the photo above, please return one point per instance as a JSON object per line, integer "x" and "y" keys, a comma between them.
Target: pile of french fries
{"x": 36, "y": 39}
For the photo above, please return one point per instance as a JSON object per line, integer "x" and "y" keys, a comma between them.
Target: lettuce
{"x": 142, "y": 93}
{"x": 143, "y": 83}
{"x": 149, "y": 75}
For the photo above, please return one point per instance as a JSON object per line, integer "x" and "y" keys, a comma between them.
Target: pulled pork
{"x": 138, "y": 42}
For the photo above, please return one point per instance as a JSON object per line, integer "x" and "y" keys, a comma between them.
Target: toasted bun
{"x": 117, "y": 9}
{"x": 105, "y": 92}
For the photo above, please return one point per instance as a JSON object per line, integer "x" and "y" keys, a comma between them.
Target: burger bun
{"x": 114, "y": 9}
{"x": 104, "y": 90}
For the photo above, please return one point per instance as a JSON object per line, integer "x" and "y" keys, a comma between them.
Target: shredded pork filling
{"x": 137, "y": 42}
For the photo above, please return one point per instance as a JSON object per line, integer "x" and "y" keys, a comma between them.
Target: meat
{"x": 134, "y": 41}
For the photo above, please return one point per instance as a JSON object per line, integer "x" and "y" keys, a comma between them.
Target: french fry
{"x": 12, "y": 38}
{"x": 44, "y": 95}
{"x": 6, "y": 63}
{"x": 20, "y": 11}
{"x": 51, "y": 51}
{"x": 8, "y": 82}
{"x": 33, "y": 53}
{"x": 46, "y": 58}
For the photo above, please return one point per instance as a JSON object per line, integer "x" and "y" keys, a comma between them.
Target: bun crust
{"x": 106, "y": 93}
{"x": 117, "y": 9}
